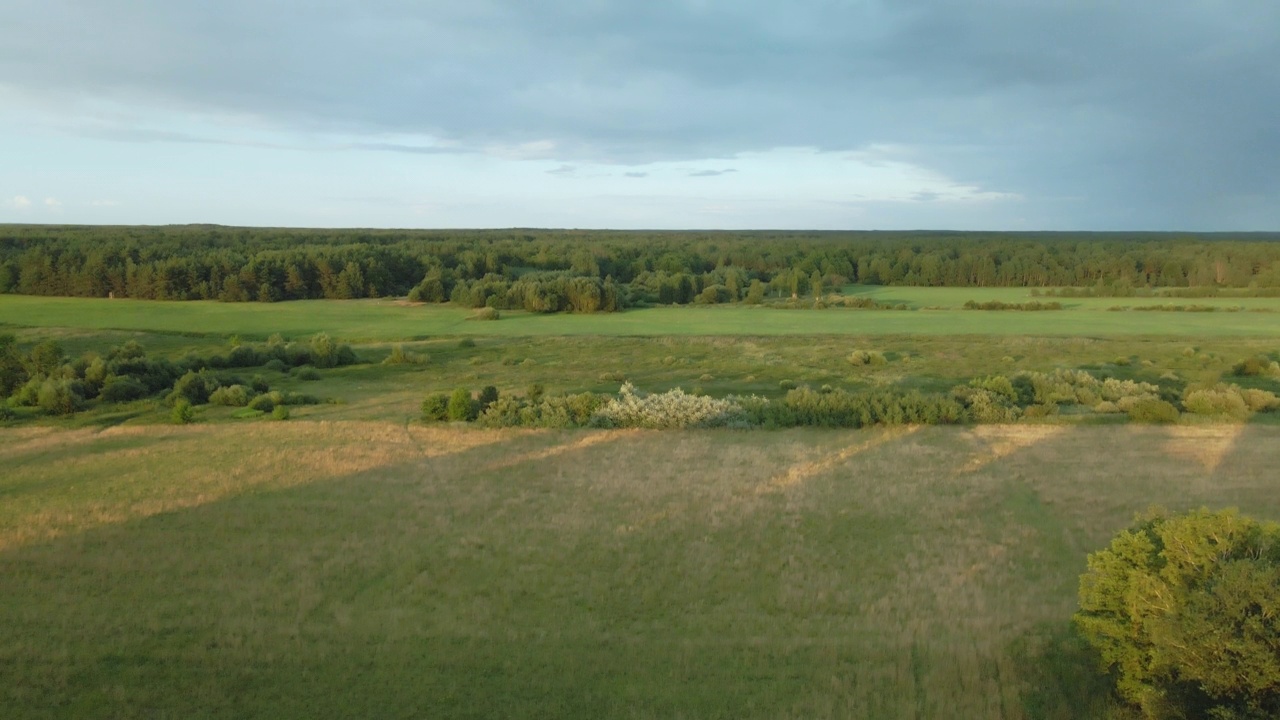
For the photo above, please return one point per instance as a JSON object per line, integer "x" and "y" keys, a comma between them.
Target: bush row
{"x": 675, "y": 409}
{"x": 992, "y": 399}
{"x": 44, "y": 377}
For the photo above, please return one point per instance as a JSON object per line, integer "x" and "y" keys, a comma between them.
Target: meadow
{"x": 934, "y": 311}
{"x": 377, "y": 569}
{"x": 354, "y": 561}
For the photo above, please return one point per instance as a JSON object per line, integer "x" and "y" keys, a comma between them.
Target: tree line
{"x": 590, "y": 271}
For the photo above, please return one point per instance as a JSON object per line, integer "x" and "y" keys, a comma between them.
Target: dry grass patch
{"x": 803, "y": 471}
{"x": 590, "y": 439}
{"x": 1206, "y": 445}
{"x": 143, "y": 471}
{"x": 1001, "y": 441}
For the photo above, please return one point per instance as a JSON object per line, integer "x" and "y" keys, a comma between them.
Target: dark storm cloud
{"x": 1100, "y": 114}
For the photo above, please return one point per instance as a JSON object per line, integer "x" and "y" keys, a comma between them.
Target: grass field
{"x": 389, "y": 320}
{"x": 354, "y": 562}
{"x": 382, "y": 570}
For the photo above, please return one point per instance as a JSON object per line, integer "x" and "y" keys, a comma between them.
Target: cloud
{"x": 52, "y": 203}
{"x": 635, "y": 174}
{"x": 563, "y": 170}
{"x": 103, "y": 203}
{"x": 406, "y": 148}
{"x": 1152, "y": 114}
{"x": 710, "y": 173}
{"x": 19, "y": 202}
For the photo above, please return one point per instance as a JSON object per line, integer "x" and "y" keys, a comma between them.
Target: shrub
{"x": 987, "y": 406}
{"x": 787, "y": 385}
{"x": 96, "y": 372}
{"x": 435, "y": 408}
{"x": 1253, "y": 366}
{"x": 845, "y": 409}
{"x": 117, "y": 389}
{"x": 461, "y": 406}
{"x": 277, "y": 365}
{"x": 12, "y": 372}
{"x": 293, "y": 398}
{"x": 485, "y": 313}
{"x": 1183, "y": 611}
{"x": 672, "y": 409}
{"x": 1150, "y": 410}
{"x": 259, "y": 384}
{"x": 58, "y": 396}
{"x": 867, "y": 357}
{"x": 504, "y": 412}
{"x": 280, "y": 412}
{"x": 266, "y": 402}
{"x": 1218, "y": 400}
{"x": 1039, "y": 411}
{"x": 193, "y": 387}
{"x": 562, "y": 411}
{"x": 488, "y": 396}
{"x": 466, "y": 343}
{"x": 245, "y": 356}
{"x": 1260, "y": 400}
{"x": 29, "y": 394}
{"x": 611, "y": 376}
{"x": 306, "y": 373}
{"x": 535, "y": 392}
{"x": 997, "y": 385}
{"x": 182, "y": 412}
{"x": 326, "y": 353}
{"x": 231, "y": 396}
{"x": 44, "y": 359}
{"x": 398, "y": 356}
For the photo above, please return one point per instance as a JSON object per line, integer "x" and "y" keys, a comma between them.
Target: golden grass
{"x": 589, "y": 440}
{"x": 20, "y": 442}
{"x": 1001, "y": 441}
{"x": 175, "y": 468}
{"x": 800, "y": 472}
{"x": 1206, "y": 445}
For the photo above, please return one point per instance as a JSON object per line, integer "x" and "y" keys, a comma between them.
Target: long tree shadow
{"x": 1062, "y": 675}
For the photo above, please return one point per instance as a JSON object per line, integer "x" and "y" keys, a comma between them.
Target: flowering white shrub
{"x": 668, "y": 410}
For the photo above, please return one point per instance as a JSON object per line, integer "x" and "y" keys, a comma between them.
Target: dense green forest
{"x": 588, "y": 271}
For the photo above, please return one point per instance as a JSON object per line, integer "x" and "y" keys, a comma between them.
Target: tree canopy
{"x": 1185, "y": 611}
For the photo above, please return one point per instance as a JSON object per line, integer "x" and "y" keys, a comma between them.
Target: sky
{"x": 734, "y": 114}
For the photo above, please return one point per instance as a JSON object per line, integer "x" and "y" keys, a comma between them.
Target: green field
{"x": 388, "y": 320}
{"x": 356, "y": 562}
{"x": 373, "y": 569}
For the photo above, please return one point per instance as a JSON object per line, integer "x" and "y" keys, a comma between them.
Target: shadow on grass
{"x": 1063, "y": 678}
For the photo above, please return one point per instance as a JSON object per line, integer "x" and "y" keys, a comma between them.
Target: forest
{"x": 593, "y": 271}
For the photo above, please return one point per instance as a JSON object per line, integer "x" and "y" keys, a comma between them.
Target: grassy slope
{"x": 349, "y": 569}
{"x": 390, "y": 320}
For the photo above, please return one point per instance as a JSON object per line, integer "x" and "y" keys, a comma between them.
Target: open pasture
{"x": 379, "y": 569}
{"x": 938, "y": 311}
